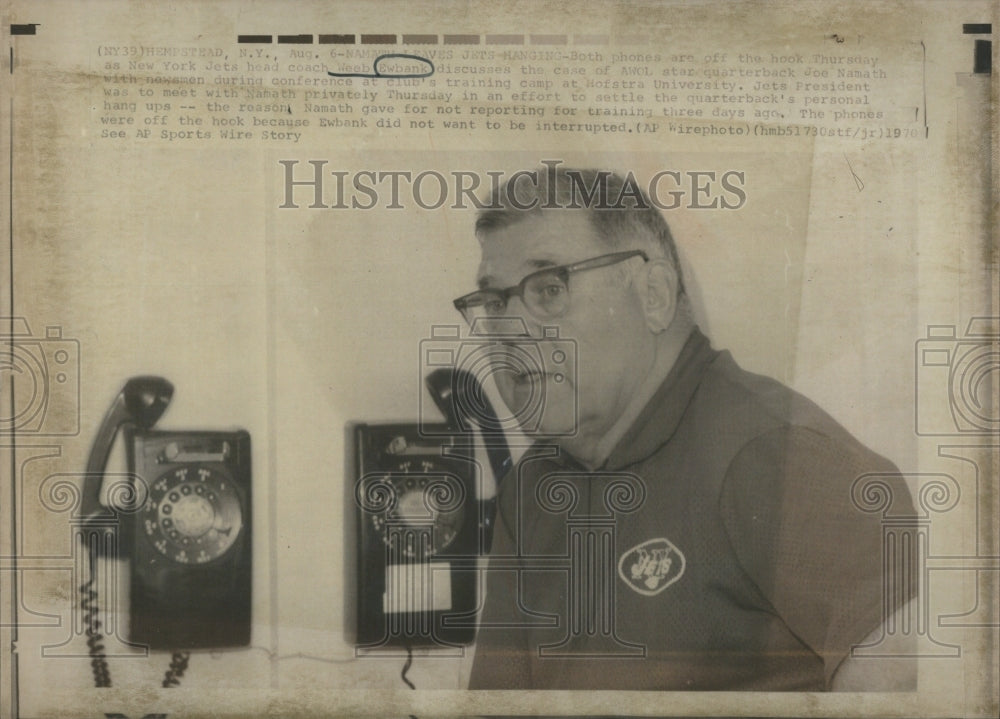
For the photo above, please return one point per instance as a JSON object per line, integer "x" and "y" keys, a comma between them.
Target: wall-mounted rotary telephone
{"x": 187, "y": 535}
{"x": 419, "y": 525}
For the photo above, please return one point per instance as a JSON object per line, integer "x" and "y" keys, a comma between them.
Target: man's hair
{"x": 619, "y": 209}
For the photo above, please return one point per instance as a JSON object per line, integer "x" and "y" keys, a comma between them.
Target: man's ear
{"x": 659, "y": 301}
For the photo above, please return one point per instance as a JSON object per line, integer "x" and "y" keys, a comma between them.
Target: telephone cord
{"x": 95, "y": 646}
{"x": 178, "y": 663}
{"x": 91, "y": 614}
{"x": 406, "y": 668}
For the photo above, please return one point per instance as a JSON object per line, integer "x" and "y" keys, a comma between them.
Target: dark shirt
{"x": 718, "y": 548}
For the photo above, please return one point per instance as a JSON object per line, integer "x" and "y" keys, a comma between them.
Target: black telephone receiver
{"x": 188, "y": 537}
{"x": 419, "y": 528}
{"x": 460, "y": 397}
{"x": 140, "y": 404}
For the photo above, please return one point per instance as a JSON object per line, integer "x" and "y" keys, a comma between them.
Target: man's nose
{"x": 517, "y": 310}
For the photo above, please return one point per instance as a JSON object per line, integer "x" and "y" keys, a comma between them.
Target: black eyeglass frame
{"x": 463, "y": 303}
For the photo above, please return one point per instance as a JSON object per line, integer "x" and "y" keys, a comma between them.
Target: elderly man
{"x": 681, "y": 523}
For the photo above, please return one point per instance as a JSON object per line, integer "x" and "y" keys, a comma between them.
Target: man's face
{"x": 605, "y": 320}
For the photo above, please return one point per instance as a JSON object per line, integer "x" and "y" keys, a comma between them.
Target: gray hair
{"x": 620, "y": 211}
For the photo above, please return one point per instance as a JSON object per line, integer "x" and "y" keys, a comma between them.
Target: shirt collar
{"x": 658, "y": 420}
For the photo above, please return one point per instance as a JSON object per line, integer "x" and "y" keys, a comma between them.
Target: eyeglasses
{"x": 545, "y": 293}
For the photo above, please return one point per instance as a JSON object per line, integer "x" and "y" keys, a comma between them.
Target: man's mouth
{"x": 528, "y": 376}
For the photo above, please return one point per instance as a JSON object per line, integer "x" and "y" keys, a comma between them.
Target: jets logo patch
{"x": 652, "y": 566}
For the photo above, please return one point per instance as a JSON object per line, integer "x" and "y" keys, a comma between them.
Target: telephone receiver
{"x": 140, "y": 404}
{"x": 456, "y": 392}
{"x": 460, "y": 397}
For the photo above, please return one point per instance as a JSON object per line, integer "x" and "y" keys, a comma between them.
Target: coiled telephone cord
{"x": 178, "y": 663}
{"x": 95, "y": 646}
